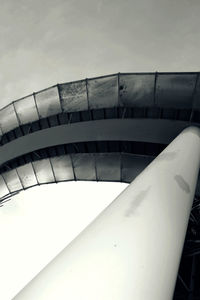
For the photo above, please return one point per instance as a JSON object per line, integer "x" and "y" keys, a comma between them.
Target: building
{"x": 108, "y": 128}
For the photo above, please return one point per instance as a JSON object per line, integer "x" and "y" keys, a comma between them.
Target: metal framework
{"x": 108, "y": 128}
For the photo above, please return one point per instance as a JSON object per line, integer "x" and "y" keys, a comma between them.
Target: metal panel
{"x": 48, "y": 102}
{"x": 108, "y": 166}
{"x": 196, "y": 100}
{"x": 133, "y": 165}
{"x": 27, "y": 175}
{"x": 12, "y": 180}
{"x": 62, "y": 167}
{"x": 26, "y": 110}
{"x": 84, "y": 166}
{"x": 175, "y": 90}
{"x": 136, "y": 90}
{"x": 73, "y": 96}
{"x": 43, "y": 171}
{"x": 103, "y": 92}
{"x": 3, "y": 187}
{"x": 8, "y": 118}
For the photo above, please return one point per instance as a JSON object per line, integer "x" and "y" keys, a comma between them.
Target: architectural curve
{"x": 148, "y": 108}
{"x": 107, "y": 128}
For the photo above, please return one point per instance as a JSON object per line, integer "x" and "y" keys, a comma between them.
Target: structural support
{"x": 132, "y": 249}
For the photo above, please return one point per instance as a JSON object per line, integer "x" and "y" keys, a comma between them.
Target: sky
{"x": 53, "y": 41}
{"x": 40, "y": 222}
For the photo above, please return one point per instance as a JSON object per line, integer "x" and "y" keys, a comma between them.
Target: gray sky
{"x": 51, "y": 41}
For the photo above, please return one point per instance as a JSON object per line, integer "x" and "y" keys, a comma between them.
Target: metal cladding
{"x": 162, "y": 90}
{"x": 161, "y": 104}
{"x": 78, "y": 166}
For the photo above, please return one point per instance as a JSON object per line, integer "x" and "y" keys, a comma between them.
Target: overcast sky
{"x": 44, "y": 42}
{"x": 51, "y": 41}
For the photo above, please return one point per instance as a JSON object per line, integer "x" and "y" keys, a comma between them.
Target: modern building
{"x": 112, "y": 128}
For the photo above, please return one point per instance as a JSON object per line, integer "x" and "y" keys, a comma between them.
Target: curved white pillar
{"x": 133, "y": 249}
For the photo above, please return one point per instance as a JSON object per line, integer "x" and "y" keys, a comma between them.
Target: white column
{"x": 133, "y": 248}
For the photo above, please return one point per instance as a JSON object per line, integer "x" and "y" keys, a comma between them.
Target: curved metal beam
{"x": 140, "y": 130}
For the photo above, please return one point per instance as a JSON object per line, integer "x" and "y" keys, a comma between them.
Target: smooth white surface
{"x": 132, "y": 250}
{"x": 37, "y": 224}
